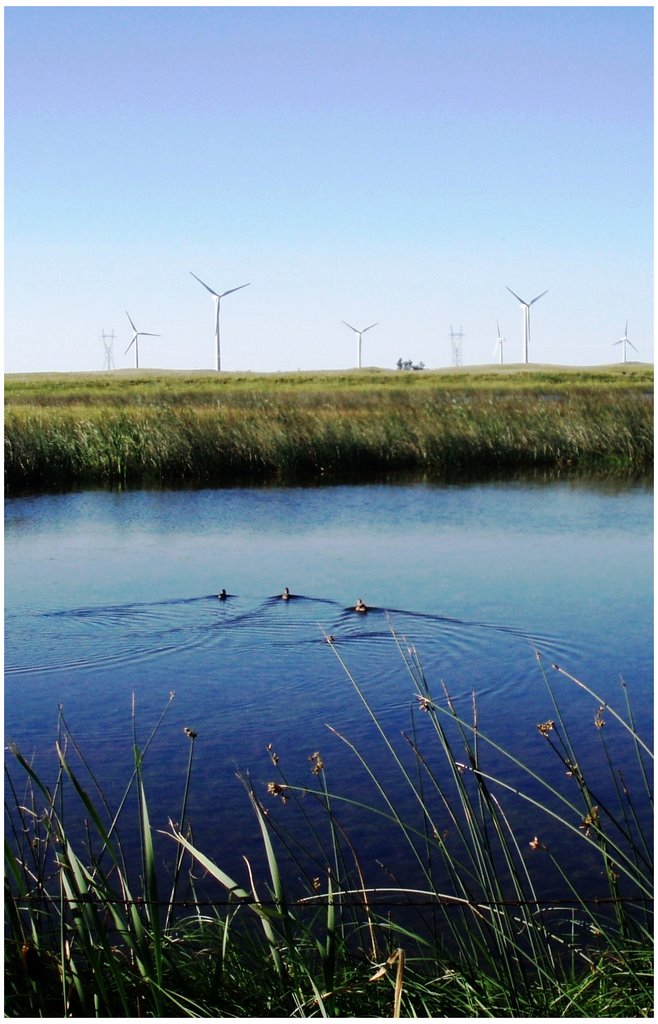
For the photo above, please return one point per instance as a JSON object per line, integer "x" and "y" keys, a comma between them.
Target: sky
{"x": 394, "y": 164}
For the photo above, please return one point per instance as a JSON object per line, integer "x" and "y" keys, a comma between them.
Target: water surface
{"x": 111, "y": 596}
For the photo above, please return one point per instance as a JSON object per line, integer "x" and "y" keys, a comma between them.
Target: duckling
{"x": 286, "y": 595}
{"x": 222, "y": 595}
{"x": 360, "y": 606}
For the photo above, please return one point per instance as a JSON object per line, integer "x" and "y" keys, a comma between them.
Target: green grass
{"x": 88, "y": 937}
{"x": 155, "y": 428}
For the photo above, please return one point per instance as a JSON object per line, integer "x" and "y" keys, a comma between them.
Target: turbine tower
{"x": 360, "y": 333}
{"x": 456, "y": 345}
{"x": 526, "y": 319}
{"x": 217, "y": 297}
{"x": 108, "y": 342}
{"x": 625, "y": 341}
{"x": 135, "y": 340}
{"x": 498, "y": 350}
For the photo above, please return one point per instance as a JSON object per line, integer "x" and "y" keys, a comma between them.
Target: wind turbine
{"x": 218, "y": 296}
{"x": 625, "y": 341}
{"x": 499, "y": 345}
{"x": 360, "y": 333}
{"x": 136, "y": 336}
{"x": 526, "y": 319}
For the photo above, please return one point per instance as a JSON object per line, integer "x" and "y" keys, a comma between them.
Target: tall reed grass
{"x": 313, "y": 434}
{"x": 89, "y": 936}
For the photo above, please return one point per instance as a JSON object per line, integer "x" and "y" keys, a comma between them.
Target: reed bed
{"x": 88, "y": 936}
{"x": 266, "y": 434}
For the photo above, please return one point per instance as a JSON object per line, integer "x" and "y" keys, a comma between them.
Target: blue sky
{"x": 392, "y": 164}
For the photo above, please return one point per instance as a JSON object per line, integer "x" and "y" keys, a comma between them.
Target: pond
{"x": 112, "y": 597}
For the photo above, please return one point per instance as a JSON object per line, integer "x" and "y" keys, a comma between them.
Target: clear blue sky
{"x": 392, "y": 164}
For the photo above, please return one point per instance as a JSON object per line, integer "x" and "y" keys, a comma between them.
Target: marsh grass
{"x": 87, "y": 936}
{"x": 165, "y": 430}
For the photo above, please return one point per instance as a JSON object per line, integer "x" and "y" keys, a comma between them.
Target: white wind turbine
{"x": 526, "y": 319}
{"x": 498, "y": 350}
{"x": 218, "y": 296}
{"x": 360, "y": 333}
{"x": 135, "y": 340}
{"x": 625, "y": 341}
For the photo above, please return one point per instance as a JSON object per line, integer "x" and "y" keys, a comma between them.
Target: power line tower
{"x": 108, "y": 342}
{"x": 456, "y": 345}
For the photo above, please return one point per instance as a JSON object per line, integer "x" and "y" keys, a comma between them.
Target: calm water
{"x": 114, "y": 594}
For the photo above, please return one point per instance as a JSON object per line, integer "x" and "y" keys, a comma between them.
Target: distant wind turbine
{"x": 526, "y": 319}
{"x": 498, "y": 350}
{"x": 360, "y": 333}
{"x": 135, "y": 341}
{"x": 218, "y": 296}
{"x": 625, "y": 341}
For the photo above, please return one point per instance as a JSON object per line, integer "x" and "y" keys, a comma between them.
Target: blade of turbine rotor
{"x": 235, "y": 289}
{"x": 350, "y": 326}
{"x": 131, "y": 323}
{"x": 629, "y": 342}
{"x": 536, "y": 297}
{"x": 148, "y": 334}
{"x": 131, "y": 344}
{"x": 368, "y": 328}
{"x": 523, "y": 303}
{"x": 206, "y": 286}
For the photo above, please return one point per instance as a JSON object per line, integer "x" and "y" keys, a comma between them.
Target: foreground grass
{"x": 154, "y": 428}
{"x": 88, "y": 937}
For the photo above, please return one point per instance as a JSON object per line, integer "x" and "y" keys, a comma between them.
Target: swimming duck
{"x": 360, "y": 606}
{"x": 286, "y": 595}
{"x": 222, "y": 595}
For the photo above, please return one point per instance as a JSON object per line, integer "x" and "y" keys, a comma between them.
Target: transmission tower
{"x": 456, "y": 345}
{"x": 108, "y": 342}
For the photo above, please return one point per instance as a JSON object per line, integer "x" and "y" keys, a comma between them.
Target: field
{"x": 153, "y": 427}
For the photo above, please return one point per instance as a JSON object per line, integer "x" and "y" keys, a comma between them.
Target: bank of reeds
{"x": 262, "y": 435}
{"x": 88, "y": 937}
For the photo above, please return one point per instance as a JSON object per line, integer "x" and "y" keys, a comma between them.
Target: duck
{"x": 360, "y": 606}
{"x": 286, "y": 595}
{"x": 222, "y": 595}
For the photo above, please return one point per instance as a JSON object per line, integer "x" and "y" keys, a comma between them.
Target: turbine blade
{"x": 523, "y": 303}
{"x": 620, "y": 342}
{"x": 207, "y": 287}
{"x": 631, "y": 343}
{"x": 368, "y": 328}
{"x": 537, "y": 297}
{"x": 131, "y": 323}
{"x": 148, "y": 334}
{"x": 130, "y": 345}
{"x": 234, "y": 289}
{"x": 350, "y": 326}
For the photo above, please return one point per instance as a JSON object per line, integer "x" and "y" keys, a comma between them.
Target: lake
{"x": 111, "y": 595}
